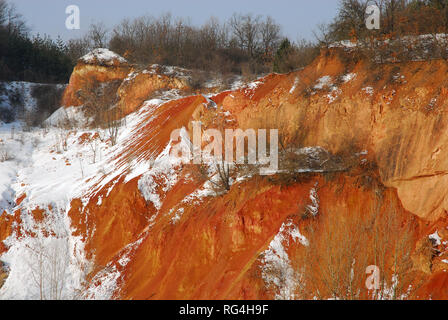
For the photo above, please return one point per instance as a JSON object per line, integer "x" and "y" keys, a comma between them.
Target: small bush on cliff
{"x": 219, "y": 174}
{"x": 113, "y": 121}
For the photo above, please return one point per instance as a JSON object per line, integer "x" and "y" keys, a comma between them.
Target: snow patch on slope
{"x": 276, "y": 269}
{"x": 323, "y": 82}
{"x": 435, "y": 238}
{"x": 294, "y": 86}
{"x": 348, "y": 77}
{"x": 71, "y": 116}
{"x": 102, "y": 56}
{"x": 165, "y": 170}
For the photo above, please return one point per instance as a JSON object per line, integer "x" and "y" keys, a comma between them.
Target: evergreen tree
{"x": 281, "y": 56}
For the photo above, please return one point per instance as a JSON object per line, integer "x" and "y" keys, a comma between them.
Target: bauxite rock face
{"x": 179, "y": 244}
{"x": 101, "y": 65}
{"x": 137, "y": 85}
{"x": 396, "y": 119}
{"x": 142, "y": 85}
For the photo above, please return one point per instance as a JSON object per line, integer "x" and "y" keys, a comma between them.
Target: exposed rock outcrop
{"x": 154, "y": 229}
{"x": 100, "y": 65}
{"x": 137, "y": 84}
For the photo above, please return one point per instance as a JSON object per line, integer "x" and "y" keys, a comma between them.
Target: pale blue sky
{"x": 298, "y": 17}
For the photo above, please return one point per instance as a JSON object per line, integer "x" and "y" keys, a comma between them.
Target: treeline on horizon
{"x": 245, "y": 44}
{"x": 398, "y": 18}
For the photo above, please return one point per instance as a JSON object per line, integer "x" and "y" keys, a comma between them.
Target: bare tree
{"x": 11, "y": 19}
{"x": 224, "y": 178}
{"x": 114, "y": 121}
{"x": 245, "y": 29}
{"x": 5, "y": 155}
{"x": 214, "y": 35}
{"x": 3, "y": 11}
{"x": 98, "y": 35}
{"x": 93, "y": 144}
{"x": 324, "y": 35}
{"x": 49, "y": 261}
{"x": 350, "y": 20}
{"x": 76, "y": 48}
{"x": 270, "y": 36}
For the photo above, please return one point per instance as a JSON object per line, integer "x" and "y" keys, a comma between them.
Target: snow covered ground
{"x": 50, "y": 167}
{"x": 277, "y": 271}
{"x": 37, "y": 167}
